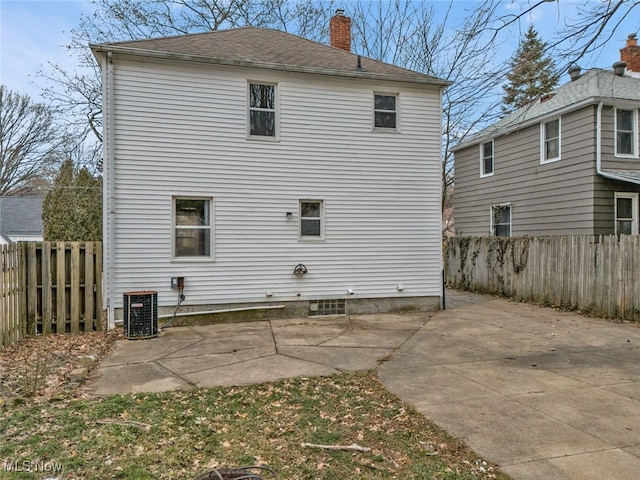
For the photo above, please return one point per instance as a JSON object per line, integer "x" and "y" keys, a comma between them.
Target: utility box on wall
{"x": 140, "y": 314}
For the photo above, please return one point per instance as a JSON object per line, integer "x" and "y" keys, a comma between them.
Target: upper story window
{"x": 626, "y": 211}
{"x": 311, "y": 218}
{"x": 486, "y": 159}
{"x": 626, "y": 125}
{"x": 192, "y": 226}
{"x": 501, "y": 220}
{"x": 262, "y": 110}
{"x": 385, "y": 111}
{"x": 550, "y": 144}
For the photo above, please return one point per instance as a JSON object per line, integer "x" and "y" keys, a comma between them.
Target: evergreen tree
{"x": 533, "y": 74}
{"x": 72, "y": 210}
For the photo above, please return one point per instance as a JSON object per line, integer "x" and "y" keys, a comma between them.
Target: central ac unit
{"x": 140, "y": 314}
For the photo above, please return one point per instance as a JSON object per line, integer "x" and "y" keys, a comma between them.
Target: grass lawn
{"x": 179, "y": 435}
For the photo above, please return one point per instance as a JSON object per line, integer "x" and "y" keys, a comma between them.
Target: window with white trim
{"x": 192, "y": 227}
{"x": 262, "y": 110}
{"x": 311, "y": 218}
{"x": 501, "y": 220}
{"x": 486, "y": 159}
{"x": 385, "y": 111}
{"x": 626, "y": 212}
{"x": 626, "y": 138}
{"x": 550, "y": 145}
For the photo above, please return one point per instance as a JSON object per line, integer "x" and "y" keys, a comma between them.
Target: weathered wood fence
{"x": 50, "y": 287}
{"x": 599, "y": 275}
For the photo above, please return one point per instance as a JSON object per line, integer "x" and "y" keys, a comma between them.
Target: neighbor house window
{"x": 626, "y": 133}
{"x": 550, "y": 133}
{"x": 192, "y": 227}
{"x": 501, "y": 220}
{"x": 626, "y": 211}
{"x": 486, "y": 159}
{"x": 311, "y": 213}
{"x": 262, "y": 110}
{"x": 385, "y": 111}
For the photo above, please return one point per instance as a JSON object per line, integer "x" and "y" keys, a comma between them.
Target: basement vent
{"x": 328, "y": 307}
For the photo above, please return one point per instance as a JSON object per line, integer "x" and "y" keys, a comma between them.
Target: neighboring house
{"x": 20, "y": 219}
{"x": 567, "y": 164}
{"x": 241, "y": 159}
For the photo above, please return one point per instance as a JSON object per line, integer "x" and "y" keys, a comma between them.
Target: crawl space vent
{"x": 328, "y": 307}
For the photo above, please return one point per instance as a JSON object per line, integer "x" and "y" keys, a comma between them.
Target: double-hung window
{"x": 262, "y": 110}
{"x": 385, "y": 111}
{"x": 626, "y": 211}
{"x": 550, "y": 134}
{"x": 311, "y": 219}
{"x": 486, "y": 159}
{"x": 192, "y": 227}
{"x": 626, "y": 122}
{"x": 501, "y": 220}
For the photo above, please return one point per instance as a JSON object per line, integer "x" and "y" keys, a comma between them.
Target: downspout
{"x": 110, "y": 193}
{"x": 599, "y": 139}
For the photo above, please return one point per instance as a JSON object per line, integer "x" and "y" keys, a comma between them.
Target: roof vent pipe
{"x": 359, "y": 64}
{"x": 619, "y": 68}
{"x": 574, "y": 72}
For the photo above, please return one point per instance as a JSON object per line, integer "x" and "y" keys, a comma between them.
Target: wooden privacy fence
{"x": 50, "y": 287}
{"x": 599, "y": 275}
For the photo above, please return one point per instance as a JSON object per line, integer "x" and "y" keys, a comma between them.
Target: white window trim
{"x": 197, "y": 258}
{"x": 310, "y": 238}
{"x": 264, "y": 138}
{"x": 634, "y": 134}
{"x": 397, "y": 111}
{"x": 493, "y": 159}
{"x": 491, "y": 224}
{"x": 543, "y": 141}
{"x": 634, "y": 210}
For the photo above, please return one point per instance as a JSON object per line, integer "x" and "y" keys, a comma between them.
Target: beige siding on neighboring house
{"x": 181, "y": 130}
{"x": 546, "y": 199}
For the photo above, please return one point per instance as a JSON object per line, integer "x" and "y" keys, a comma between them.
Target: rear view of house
{"x": 568, "y": 164}
{"x": 267, "y": 172}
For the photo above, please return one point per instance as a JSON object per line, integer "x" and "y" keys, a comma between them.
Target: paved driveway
{"x": 544, "y": 394}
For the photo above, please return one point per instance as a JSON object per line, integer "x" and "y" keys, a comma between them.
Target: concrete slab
{"x": 228, "y": 344}
{"x": 607, "y": 415}
{"x": 507, "y": 431}
{"x": 370, "y": 338}
{"x": 350, "y": 359}
{"x": 191, "y": 364}
{"x": 509, "y": 378}
{"x": 136, "y": 378}
{"x": 137, "y": 351}
{"x": 266, "y": 369}
{"x": 387, "y": 321}
{"x": 598, "y": 465}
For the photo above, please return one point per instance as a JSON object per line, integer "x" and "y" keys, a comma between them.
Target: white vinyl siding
{"x": 181, "y": 128}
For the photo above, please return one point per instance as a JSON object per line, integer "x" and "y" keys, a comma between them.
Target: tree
{"x": 72, "y": 210}
{"x": 29, "y": 142}
{"x": 533, "y": 73}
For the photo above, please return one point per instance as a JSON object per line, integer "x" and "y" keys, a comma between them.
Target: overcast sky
{"x": 34, "y": 32}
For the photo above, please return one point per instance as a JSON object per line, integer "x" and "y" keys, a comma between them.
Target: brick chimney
{"x": 631, "y": 53}
{"x": 340, "y": 31}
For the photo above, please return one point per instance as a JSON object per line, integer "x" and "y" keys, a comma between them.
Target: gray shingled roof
{"x": 266, "y": 48}
{"x": 592, "y": 87}
{"x": 21, "y": 216}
